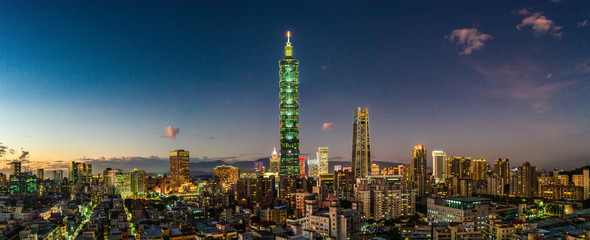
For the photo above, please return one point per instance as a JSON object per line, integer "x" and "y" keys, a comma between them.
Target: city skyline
{"x": 72, "y": 95}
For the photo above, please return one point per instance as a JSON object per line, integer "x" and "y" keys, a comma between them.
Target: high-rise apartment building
{"x": 459, "y": 167}
{"x": 527, "y": 185}
{"x": 179, "y": 167}
{"x": 586, "y": 181}
{"x": 502, "y": 169}
{"x": 40, "y": 173}
{"x": 274, "y": 162}
{"x": 361, "y": 144}
{"x": 438, "y": 165}
{"x": 15, "y": 168}
{"x": 479, "y": 168}
{"x": 322, "y": 156}
{"x": 418, "y": 169}
{"x": 289, "y": 112}
{"x": 375, "y": 170}
{"x": 79, "y": 172}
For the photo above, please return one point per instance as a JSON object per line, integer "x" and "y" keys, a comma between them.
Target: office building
{"x": 479, "y": 169}
{"x": 79, "y": 173}
{"x": 361, "y": 144}
{"x": 438, "y": 165}
{"x": 418, "y": 170}
{"x": 337, "y": 168}
{"x": 274, "y": 162}
{"x": 344, "y": 184}
{"x": 179, "y": 167}
{"x": 312, "y": 168}
{"x": 375, "y": 170}
{"x": 289, "y": 112}
{"x": 460, "y": 209}
{"x": 302, "y": 167}
{"x": 322, "y": 156}
{"x": 259, "y": 167}
{"x": 227, "y": 174}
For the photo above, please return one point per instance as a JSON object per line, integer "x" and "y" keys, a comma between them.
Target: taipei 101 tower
{"x": 289, "y": 112}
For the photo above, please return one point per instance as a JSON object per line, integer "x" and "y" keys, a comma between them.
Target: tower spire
{"x": 288, "y": 47}
{"x": 288, "y": 38}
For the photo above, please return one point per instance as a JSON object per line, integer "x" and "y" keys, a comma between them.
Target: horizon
{"x": 87, "y": 80}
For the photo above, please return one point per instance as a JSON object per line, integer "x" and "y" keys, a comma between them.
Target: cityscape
{"x": 487, "y": 136}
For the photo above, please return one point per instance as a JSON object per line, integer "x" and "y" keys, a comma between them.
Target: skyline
{"x": 499, "y": 82}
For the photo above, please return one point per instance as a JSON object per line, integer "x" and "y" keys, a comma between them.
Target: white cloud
{"x": 327, "y": 126}
{"x": 583, "y": 23}
{"x": 171, "y": 132}
{"x": 540, "y": 24}
{"x": 469, "y": 39}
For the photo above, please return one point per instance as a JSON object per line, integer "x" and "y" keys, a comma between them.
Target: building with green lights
{"x": 289, "y": 112}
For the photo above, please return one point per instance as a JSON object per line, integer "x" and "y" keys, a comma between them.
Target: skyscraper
{"x": 274, "y": 161}
{"x": 361, "y": 144}
{"x": 418, "y": 169}
{"x": 479, "y": 168}
{"x": 438, "y": 165}
{"x": 179, "y": 167}
{"x": 15, "y": 168}
{"x": 289, "y": 112}
{"x": 40, "y": 174}
{"x": 458, "y": 167}
{"x": 322, "y": 156}
{"x": 527, "y": 185}
{"x": 312, "y": 168}
{"x": 302, "y": 167}
{"x": 502, "y": 169}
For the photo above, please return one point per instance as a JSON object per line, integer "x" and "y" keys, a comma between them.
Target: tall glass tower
{"x": 289, "y": 108}
{"x": 361, "y": 144}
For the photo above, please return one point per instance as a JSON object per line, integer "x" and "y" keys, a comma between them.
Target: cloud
{"x": 539, "y": 23}
{"x": 228, "y": 135}
{"x": 583, "y": 23}
{"x": 171, "y": 132}
{"x": 469, "y": 39}
{"x": 327, "y": 126}
{"x": 524, "y": 83}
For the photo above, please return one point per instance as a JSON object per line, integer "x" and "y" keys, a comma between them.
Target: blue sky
{"x": 104, "y": 79}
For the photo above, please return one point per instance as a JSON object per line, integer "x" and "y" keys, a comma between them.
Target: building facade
{"x": 289, "y": 112}
{"x": 361, "y": 144}
{"x": 438, "y": 165}
{"x": 179, "y": 167}
{"x": 322, "y": 156}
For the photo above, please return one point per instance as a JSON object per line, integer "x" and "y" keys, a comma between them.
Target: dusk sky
{"x": 95, "y": 79}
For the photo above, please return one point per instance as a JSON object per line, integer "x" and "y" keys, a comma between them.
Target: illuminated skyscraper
{"x": 40, "y": 174}
{"x": 274, "y": 162}
{"x": 302, "y": 167}
{"x": 322, "y": 156}
{"x": 438, "y": 165}
{"x": 15, "y": 168}
{"x": 227, "y": 175}
{"x": 458, "y": 167}
{"x": 361, "y": 144}
{"x": 418, "y": 169}
{"x": 527, "y": 185}
{"x": 479, "y": 168}
{"x": 289, "y": 112}
{"x": 313, "y": 168}
{"x": 179, "y": 167}
{"x": 502, "y": 169}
